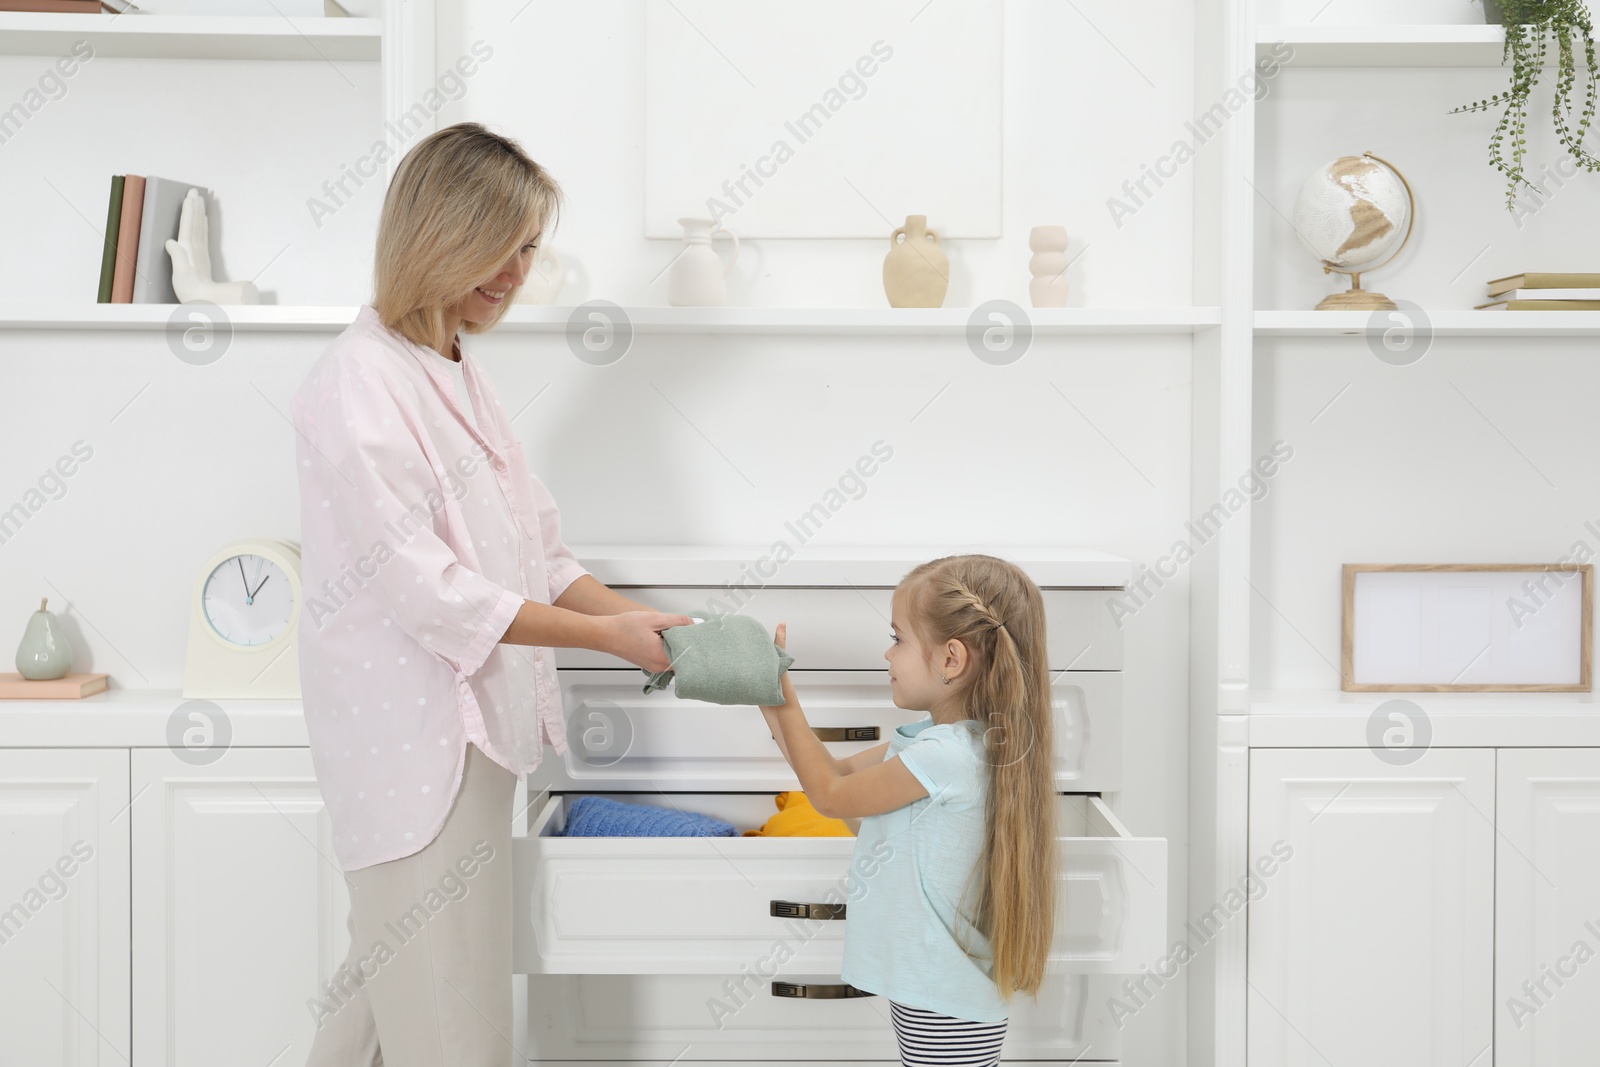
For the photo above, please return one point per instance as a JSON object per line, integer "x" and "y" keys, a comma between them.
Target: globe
{"x": 1351, "y": 214}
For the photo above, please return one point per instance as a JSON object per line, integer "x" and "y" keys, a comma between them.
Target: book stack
{"x": 69, "y": 7}
{"x": 141, "y": 219}
{"x": 1545, "y": 292}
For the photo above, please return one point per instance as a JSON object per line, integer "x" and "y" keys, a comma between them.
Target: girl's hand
{"x": 789, "y": 699}
{"x": 636, "y": 637}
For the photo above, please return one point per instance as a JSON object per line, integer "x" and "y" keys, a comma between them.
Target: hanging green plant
{"x": 1530, "y": 27}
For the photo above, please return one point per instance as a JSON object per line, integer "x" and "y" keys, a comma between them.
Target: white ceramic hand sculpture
{"x": 191, "y": 261}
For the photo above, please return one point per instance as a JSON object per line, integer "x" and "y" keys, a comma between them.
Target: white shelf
{"x": 878, "y": 320}
{"x": 1452, "y": 323}
{"x": 85, "y": 316}
{"x": 26, "y": 33}
{"x": 1050, "y": 566}
{"x": 725, "y": 320}
{"x": 1389, "y": 46}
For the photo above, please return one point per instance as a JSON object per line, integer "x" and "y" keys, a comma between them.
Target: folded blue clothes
{"x": 604, "y": 817}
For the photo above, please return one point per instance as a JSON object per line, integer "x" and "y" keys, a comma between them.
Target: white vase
{"x": 1049, "y": 266}
{"x": 545, "y": 278}
{"x": 698, "y": 277}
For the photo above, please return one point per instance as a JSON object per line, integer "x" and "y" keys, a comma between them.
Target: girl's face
{"x": 483, "y": 303}
{"x": 914, "y": 676}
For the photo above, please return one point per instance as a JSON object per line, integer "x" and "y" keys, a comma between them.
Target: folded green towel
{"x": 725, "y": 659}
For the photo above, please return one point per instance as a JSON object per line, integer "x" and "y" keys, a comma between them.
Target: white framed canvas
{"x": 1441, "y": 627}
{"x": 828, "y": 118}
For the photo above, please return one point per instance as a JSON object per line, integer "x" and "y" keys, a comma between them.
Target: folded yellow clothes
{"x": 797, "y": 818}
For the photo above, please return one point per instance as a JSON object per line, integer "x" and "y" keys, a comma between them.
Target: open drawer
{"x": 621, "y": 738}
{"x": 652, "y": 905}
{"x": 848, "y": 628}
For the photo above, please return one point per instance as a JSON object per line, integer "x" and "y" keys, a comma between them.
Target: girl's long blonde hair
{"x": 460, "y": 204}
{"x": 996, "y": 611}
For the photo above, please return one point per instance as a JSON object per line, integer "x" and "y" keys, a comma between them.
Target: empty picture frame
{"x": 823, "y": 119}
{"x": 1468, "y": 627}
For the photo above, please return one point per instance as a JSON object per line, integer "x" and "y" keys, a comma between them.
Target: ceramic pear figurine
{"x": 44, "y": 653}
{"x": 1049, "y": 264}
{"x": 191, "y": 260}
{"x": 916, "y": 273}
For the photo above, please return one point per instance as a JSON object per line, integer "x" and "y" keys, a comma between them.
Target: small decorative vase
{"x": 44, "y": 653}
{"x": 698, "y": 277}
{"x": 1492, "y": 14}
{"x": 545, "y": 278}
{"x": 1049, "y": 266}
{"x": 916, "y": 273}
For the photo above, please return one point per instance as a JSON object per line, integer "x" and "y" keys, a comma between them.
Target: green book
{"x": 108, "y": 259}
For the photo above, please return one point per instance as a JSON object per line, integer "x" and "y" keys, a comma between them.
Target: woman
{"x": 436, "y": 582}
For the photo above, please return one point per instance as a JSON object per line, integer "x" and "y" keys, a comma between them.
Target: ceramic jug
{"x": 44, "y": 653}
{"x": 698, "y": 277}
{"x": 546, "y": 275}
{"x": 916, "y": 273}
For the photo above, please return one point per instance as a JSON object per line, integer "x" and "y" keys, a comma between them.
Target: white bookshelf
{"x": 655, "y": 320}
{"x": 1344, "y": 89}
{"x": 1451, "y": 323}
{"x": 191, "y": 36}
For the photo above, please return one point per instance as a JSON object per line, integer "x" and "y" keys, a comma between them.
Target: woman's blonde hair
{"x": 996, "y": 611}
{"x": 461, "y": 202}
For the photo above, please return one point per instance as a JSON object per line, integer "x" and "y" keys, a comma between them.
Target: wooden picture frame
{"x": 1478, "y": 617}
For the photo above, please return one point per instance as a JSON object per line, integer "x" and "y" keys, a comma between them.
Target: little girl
{"x": 961, "y": 914}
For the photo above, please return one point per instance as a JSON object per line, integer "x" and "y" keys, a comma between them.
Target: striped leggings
{"x": 928, "y": 1039}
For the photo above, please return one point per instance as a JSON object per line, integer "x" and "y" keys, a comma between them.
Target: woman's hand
{"x": 636, "y": 637}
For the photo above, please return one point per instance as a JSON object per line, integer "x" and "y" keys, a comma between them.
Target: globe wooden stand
{"x": 1356, "y": 298}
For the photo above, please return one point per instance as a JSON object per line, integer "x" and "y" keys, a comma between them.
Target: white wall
{"x": 652, "y": 448}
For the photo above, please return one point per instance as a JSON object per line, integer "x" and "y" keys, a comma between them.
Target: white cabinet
{"x": 239, "y": 907}
{"x": 64, "y": 945}
{"x": 1374, "y": 942}
{"x": 691, "y": 950}
{"x": 1547, "y": 908}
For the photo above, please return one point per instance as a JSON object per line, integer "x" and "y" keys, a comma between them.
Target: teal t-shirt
{"x": 901, "y": 934}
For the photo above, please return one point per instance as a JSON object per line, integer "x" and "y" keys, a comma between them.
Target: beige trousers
{"x": 427, "y": 982}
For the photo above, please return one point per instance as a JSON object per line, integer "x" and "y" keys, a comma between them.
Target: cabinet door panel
{"x": 64, "y": 941}
{"x": 239, "y": 906}
{"x": 1547, "y": 908}
{"x": 1373, "y": 942}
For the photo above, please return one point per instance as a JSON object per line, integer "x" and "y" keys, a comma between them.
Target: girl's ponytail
{"x": 997, "y": 612}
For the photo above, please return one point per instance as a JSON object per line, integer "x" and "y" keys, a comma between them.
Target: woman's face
{"x": 483, "y": 303}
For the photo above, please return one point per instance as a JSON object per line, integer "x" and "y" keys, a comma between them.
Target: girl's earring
{"x": 943, "y": 679}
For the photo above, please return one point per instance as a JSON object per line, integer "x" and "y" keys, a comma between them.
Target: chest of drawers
{"x": 718, "y": 949}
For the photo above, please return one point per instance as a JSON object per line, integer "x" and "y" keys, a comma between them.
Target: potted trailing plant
{"x": 1530, "y": 27}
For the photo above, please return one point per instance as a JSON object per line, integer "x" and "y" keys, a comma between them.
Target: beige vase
{"x": 916, "y": 273}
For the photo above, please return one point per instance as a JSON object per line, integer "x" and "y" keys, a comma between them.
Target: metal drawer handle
{"x": 787, "y": 909}
{"x": 845, "y": 733}
{"x": 837, "y": 991}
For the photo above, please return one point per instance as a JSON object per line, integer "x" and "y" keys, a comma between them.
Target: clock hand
{"x": 258, "y": 588}
{"x": 248, "y": 597}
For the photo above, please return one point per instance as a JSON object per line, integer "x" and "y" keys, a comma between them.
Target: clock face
{"x": 248, "y": 600}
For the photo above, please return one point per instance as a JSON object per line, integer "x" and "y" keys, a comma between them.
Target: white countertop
{"x": 140, "y": 718}
{"x": 1324, "y": 718}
